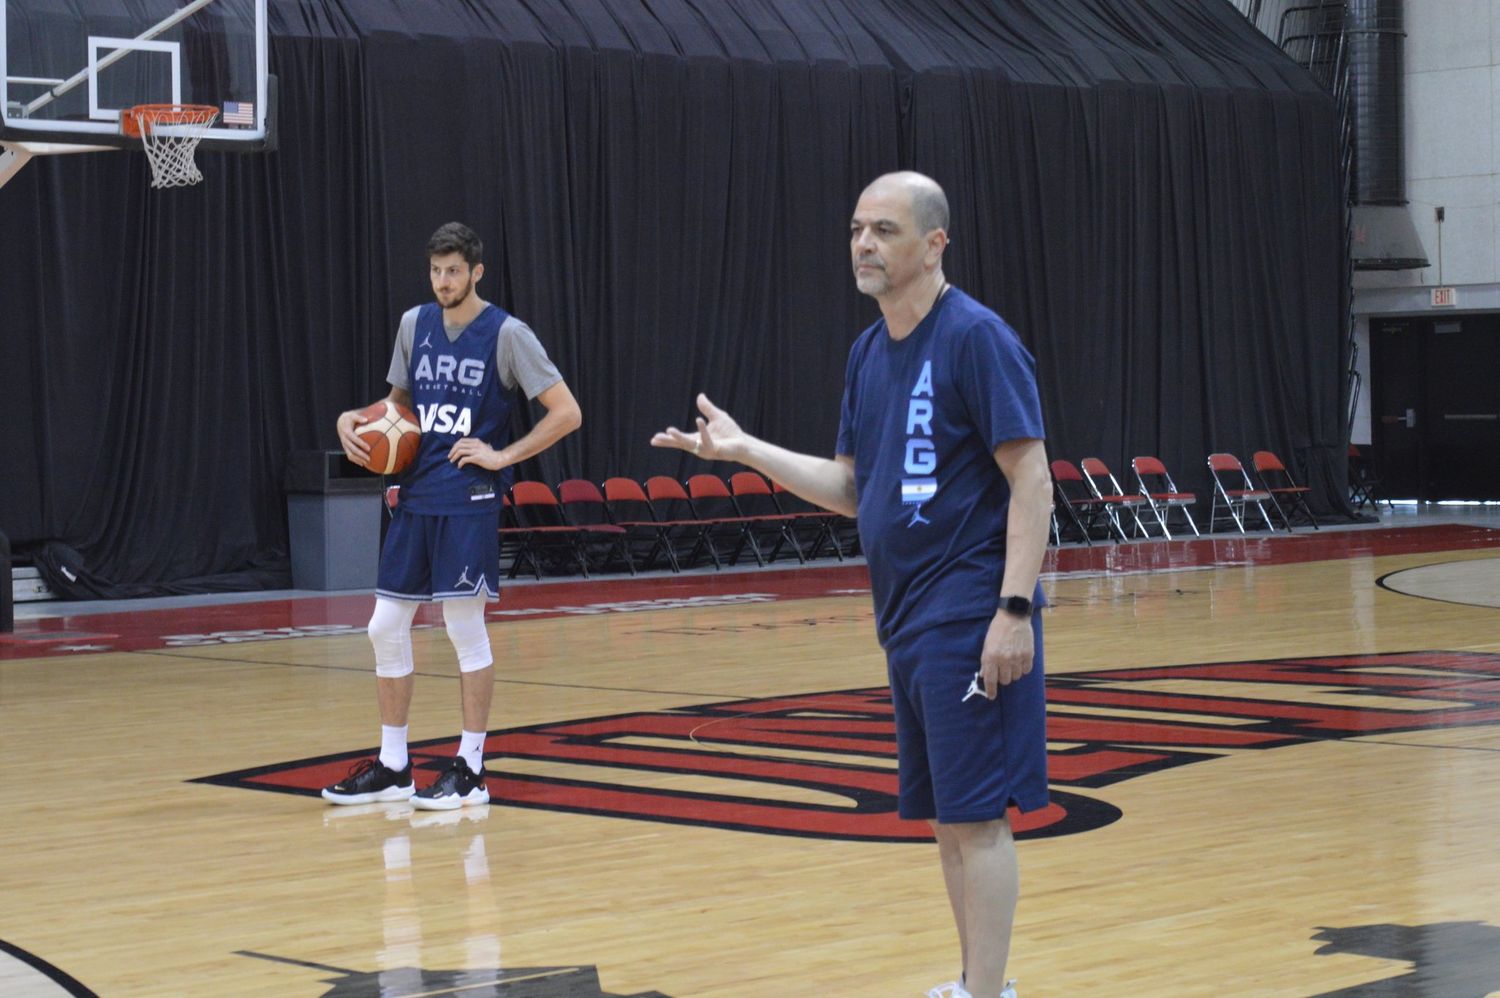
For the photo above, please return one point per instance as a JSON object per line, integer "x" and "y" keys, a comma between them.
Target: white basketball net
{"x": 171, "y": 134}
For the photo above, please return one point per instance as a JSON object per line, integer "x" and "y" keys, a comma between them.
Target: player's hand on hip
{"x": 355, "y": 449}
{"x": 472, "y": 450}
{"x": 1006, "y": 657}
{"x": 719, "y": 437}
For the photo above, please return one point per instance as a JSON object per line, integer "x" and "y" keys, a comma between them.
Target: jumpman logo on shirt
{"x": 917, "y": 517}
{"x": 463, "y": 580}
{"x": 426, "y": 343}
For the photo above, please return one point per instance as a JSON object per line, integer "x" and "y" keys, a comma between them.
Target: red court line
{"x": 268, "y": 620}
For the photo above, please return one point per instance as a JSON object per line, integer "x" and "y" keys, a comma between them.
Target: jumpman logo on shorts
{"x": 917, "y": 517}
{"x": 463, "y": 580}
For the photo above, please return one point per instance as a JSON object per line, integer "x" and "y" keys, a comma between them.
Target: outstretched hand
{"x": 719, "y": 437}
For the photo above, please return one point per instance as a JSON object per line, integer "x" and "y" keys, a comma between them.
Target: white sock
{"x": 471, "y": 750}
{"x": 393, "y": 747}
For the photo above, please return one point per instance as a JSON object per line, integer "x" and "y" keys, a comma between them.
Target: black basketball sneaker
{"x": 458, "y": 786}
{"x": 369, "y": 782}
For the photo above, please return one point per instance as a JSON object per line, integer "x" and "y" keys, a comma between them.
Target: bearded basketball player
{"x": 459, "y": 363}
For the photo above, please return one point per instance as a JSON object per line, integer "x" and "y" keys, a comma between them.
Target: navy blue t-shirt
{"x": 457, "y": 393}
{"x": 921, "y": 418}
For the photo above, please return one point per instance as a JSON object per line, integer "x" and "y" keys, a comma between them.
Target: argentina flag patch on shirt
{"x": 917, "y": 490}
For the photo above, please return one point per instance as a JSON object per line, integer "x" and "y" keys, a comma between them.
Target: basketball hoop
{"x": 170, "y": 133}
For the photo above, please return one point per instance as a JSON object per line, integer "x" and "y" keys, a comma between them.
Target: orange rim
{"x": 147, "y": 116}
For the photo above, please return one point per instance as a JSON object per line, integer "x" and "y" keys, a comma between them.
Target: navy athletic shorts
{"x": 965, "y": 760}
{"x": 439, "y": 557}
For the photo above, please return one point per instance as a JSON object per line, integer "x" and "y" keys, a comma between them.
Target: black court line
{"x": 1421, "y": 745}
{"x": 430, "y": 675}
{"x": 63, "y": 980}
{"x": 1434, "y": 599}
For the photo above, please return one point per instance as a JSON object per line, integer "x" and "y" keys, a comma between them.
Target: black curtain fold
{"x": 1146, "y": 189}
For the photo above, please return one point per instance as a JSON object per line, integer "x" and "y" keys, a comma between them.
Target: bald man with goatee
{"x": 940, "y": 455}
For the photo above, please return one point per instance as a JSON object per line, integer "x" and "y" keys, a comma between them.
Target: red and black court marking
{"x": 494, "y": 982}
{"x": 721, "y": 740}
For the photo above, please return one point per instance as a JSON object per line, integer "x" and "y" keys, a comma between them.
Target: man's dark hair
{"x": 456, "y": 237}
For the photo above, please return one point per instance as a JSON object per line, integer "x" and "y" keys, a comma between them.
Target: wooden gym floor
{"x": 1275, "y": 760}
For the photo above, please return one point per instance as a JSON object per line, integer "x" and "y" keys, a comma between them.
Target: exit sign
{"x": 1444, "y": 297}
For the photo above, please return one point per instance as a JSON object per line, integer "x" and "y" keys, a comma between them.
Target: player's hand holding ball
{"x": 382, "y": 437}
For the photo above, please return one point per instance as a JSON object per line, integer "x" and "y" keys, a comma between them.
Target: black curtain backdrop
{"x": 1146, "y": 189}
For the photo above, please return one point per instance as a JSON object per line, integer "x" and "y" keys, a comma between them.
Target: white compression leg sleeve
{"x": 464, "y": 619}
{"x": 390, "y": 633}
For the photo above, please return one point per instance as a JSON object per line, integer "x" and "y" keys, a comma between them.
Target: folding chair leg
{"x": 787, "y": 537}
{"x": 713, "y": 553}
{"x": 664, "y": 541}
{"x": 1237, "y": 514}
{"x": 1280, "y": 512}
{"x": 1067, "y": 508}
{"x": 1307, "y": 510}
{"x": 1269, "y": 525}
{"x": 1161, "y": 520}
{"x": 747, "y": 539}
{"x": 1229, "y": 507}
{"x": 531, "y": 559}
{"x": 833, "y": 539}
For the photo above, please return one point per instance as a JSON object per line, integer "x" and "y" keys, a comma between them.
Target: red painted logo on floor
{"x": 1105, "y": 727}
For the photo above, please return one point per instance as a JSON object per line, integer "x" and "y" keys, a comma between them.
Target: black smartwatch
{"x": 1016, "y": 606}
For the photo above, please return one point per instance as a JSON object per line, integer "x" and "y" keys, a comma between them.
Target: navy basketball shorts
{"x": 440, "y": 557}
{"x": 965, "y": 760}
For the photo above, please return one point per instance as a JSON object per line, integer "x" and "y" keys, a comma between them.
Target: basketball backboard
{"x": 67, "y": 70}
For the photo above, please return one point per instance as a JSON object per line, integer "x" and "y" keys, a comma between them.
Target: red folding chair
{"x": 1364, "y": 482}
{"x": 1275, "y": 479}
{"x": 1161, "y": 493}
{"x": 816, "y": 526}
{"x": 1082, "y": 509}
{"x": 1116, "y": 500}
{"x": 714, "y": 505}
{"x": 583, "y": 507}
{"x": 671, "y": 503}
{"x": 1235, "y": 501}
{"x": 629, "y": 508}
{"x": 552, "y": 537}
{"x": 752, "y": 497}
{"x": 515, "y": 541}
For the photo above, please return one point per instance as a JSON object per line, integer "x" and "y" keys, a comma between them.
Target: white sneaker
{"x": 458, "y": 786}
{"x": 952, "y": 989}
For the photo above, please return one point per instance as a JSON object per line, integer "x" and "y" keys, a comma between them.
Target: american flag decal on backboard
{"x": 239, "y": 112}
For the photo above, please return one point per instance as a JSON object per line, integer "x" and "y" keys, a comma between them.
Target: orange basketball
{"x": 392, "y": 434}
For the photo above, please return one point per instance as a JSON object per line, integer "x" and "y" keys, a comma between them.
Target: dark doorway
{"x": 1436, "y": 406}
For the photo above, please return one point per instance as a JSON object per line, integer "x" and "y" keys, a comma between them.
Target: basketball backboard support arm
{"x": 114, "y": 56}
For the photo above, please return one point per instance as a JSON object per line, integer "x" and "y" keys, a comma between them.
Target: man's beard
{"x": 460, "y": 297}
{"x": 874, "y": 284}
